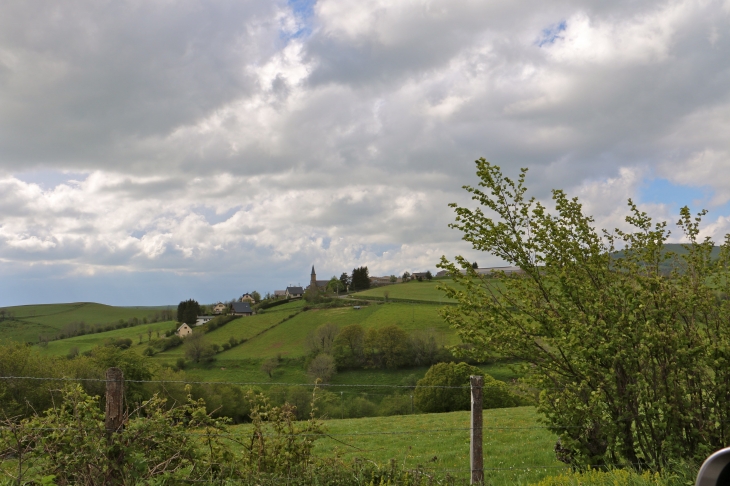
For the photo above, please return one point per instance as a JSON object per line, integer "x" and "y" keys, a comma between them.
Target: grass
{"x": 287, "y": 339}
{"x": 414, "y": 289}
{"x": 515, "y": 449}
{"x": 87, "y": 342}
{"x": 31, "y": 320}
{"x": 293, "y": 372}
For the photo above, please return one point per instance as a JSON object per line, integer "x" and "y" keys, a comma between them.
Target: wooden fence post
{"x": 476, "y": 452}
{"x": 114, "y": 417}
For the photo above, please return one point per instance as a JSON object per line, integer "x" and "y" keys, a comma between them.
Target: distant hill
{"x": 27, "y": 322}
{"x": 679, "y": 249}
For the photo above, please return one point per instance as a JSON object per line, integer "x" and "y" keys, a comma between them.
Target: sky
{"x": 154, "y": 151}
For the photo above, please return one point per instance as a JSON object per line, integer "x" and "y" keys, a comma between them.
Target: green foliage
{"x": 387, "y": 347}
{"x": 631, "y": 361}
{"x": 360, "y": 279}
{"x": 455, "y": 393}
{"x": 616, "y": 477}
{"x": 188, "y": 311}
{"x": 71, "y": 444}
{"x": 322, "y": 368}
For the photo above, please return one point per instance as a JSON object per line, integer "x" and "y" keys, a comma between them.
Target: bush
{"x": 495, "y": 393}
{"x": 617, "y": 477}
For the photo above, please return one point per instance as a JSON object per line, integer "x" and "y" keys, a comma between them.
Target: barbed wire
{"x": 236, "y": 383}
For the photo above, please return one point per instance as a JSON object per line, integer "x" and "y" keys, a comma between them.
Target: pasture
{"x": 138, "y": 334}
{"x": 516, "y": 448}
{"x": 30, "y": 321}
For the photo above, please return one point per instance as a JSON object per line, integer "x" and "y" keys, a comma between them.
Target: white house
{"x": 184, "y": 330}
{"x": 203, "y": 319}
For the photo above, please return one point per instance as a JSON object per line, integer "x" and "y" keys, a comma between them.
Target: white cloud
{"x": 239, "y": 137}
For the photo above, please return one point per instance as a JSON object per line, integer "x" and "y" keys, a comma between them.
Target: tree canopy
{"x": 188, "y": 311}
{"x": 630, "y": 360}
{"x": 360, "y": 278}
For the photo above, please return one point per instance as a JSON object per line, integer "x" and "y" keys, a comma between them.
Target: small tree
{"x": 196, "y": 348}
{"x": 256, "y": 296}
{"x": 349, "y": 346}
{"x": 322, "y": 368}
{"x": 628, "y": 348}
{"x": 269, "y": 365}
{"x": 429, "y": 276}
{"x": 321, "y": 339}
{"x": 344, "y": 280}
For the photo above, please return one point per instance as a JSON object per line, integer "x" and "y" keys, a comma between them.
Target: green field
{"x": 87, "y": 342}
{"x": 29, "y": 321}
{"x": 287, "y": 339}
{"x": 516, "y": 449}
{"x": 426, "y": 291}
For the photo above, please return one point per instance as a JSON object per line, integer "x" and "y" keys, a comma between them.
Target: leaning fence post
{"x": 114, "y": 416}
{"x": 476, "y": 453}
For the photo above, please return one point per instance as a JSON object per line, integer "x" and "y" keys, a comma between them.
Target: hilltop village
{"x": 358, "y": 280}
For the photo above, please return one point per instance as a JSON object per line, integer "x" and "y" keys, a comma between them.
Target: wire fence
{"x": 399, "y": 439}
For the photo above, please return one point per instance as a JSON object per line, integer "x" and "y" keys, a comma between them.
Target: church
{"x": 317, "y": 284}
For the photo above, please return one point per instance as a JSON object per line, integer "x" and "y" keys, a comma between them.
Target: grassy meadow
{"x": 87, "y": 342}
{"x": 29, "y": 321}
{"x": 516, "y": 450}
{"x": 426, "y": 291}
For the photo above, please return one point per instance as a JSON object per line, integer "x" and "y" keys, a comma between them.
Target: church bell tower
{"x": 313, "y": 280}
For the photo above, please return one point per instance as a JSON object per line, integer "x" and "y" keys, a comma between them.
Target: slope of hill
{"x": 138, "y": 334}
{"x": 413, "y": 290}
{"x": 30, "y": 321}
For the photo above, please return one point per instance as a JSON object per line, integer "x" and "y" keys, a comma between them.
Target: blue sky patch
{"x": 550, "y": 34}
{"x": 49, "y": 179}
{"x": 675, "y": 196}
{"x": 212, "y": 217}
{"x": 304, "y": 11}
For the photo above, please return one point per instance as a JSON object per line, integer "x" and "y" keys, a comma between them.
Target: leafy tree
{"x": 269, "y": 365}
{"x": 345, "y": 280}
{"x": 197, "y": 349}
{"x": 322, "y": 367}
{"x": 321, "y": 339}
{"x": 406, "y": 276}
{"x": 429, "y": 276}
{"x": 360, "y": 278}
{"x": 188, "y": 311}
{"x": 629, "y": 349}
{"x": 335, "y": 285}
{"x": 439, "y": 390}
{"x": 256, "y": 296}
{"x": 348, "y": 346}
{"x": 475, "y": 265}
{"x": 387, "y": 347}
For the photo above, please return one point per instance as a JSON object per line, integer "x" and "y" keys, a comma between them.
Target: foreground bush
{"x": 628, "y": 343}
{"x": 68, "y": 445}
{"x": 445, "y": 388}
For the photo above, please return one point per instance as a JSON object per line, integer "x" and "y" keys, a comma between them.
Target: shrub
{"x": 495, "y": 393}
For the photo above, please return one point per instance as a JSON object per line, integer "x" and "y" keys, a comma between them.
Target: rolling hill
{"x": 30, "y": 321}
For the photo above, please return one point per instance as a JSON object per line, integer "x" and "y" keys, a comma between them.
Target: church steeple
{"x": 313, "y": 280}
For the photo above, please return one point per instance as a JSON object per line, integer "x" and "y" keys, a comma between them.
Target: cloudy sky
{"x": 153, "y": 151}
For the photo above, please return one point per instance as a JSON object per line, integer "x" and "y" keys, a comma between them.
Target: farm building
{"x": 241, "y": 309}
{"x": 184, "y": 330}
